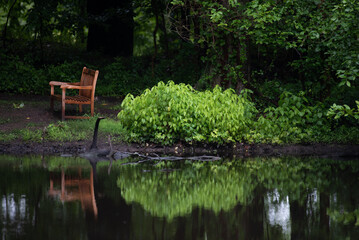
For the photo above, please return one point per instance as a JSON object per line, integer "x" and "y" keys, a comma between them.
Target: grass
{"x": 30, "y": 135}
{"x": 8, "y": 137}
{"x": 70, "y": 130}
{"x": 77, "y": 130}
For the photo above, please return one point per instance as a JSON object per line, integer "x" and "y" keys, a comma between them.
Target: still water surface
{"x": 260, "y": 198}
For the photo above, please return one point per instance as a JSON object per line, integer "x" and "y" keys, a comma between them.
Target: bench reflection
{"x": 73, "y": 186}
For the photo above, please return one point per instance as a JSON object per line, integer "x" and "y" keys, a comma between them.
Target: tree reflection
{"x": 302, "y": 188}
{"x": 171, "y": 194}
{"x": 276, "y": 198}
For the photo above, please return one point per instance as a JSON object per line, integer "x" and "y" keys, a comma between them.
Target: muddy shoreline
{"x": 36, "y": 111}
{"x": 230, "y": 151}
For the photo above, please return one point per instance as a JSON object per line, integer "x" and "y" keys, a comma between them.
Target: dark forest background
{"x": 267, "y": 46}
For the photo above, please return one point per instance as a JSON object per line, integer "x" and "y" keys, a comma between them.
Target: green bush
{"x": 117, "y": 78}
{"x": 169, "y": 112}
{"x": 19, "y": 77}
{"x": 294, "y": 120}
{"x": 65, "y": 72}
{"x": 176, "y": 112}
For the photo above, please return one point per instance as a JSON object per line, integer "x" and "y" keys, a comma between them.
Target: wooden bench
{"x": 86, "y": 87}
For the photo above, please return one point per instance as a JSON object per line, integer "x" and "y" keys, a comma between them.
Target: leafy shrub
{"x": 338, "y": 134}
{"x": 117, "y": 78}
{"x": 294, "y": 120}
{"x": 338, "y": 111}
{"x": 19, "y": 77}
{"x": 66, "y": 72}
{"x": 133, "y": 75}
{"x": 172, "y": 112}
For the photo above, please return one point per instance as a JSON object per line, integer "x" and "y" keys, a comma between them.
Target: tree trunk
{"x": 154, "y": 45}
{"x": 7, "y": 21}
{"x": 111, "y": 27}
{"x": 165, "y": 35}
{"x": 324, "y": 218}
{"x": 299, "y": 220}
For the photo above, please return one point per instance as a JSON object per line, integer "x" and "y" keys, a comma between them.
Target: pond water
{"x": 258, "y": 198}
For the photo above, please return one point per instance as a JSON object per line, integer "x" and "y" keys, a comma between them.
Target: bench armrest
{"x": 56, "y": 83}
{"x": 76, "y": 87}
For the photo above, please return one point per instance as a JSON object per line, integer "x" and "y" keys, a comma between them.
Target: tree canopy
{"x": 309, "y": 45}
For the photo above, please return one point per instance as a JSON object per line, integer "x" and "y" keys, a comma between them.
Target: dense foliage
{"x": 171, "y": 112}
{"x": 294, "y": 120}
{"x": 315, "y": 40}
{"x": 117, "y": 77}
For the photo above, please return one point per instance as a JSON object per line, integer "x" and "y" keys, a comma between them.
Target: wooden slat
{"x": 73, "y": 99}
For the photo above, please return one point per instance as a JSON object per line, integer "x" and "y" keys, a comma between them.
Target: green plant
{"x": 19, "y": 77}
{"x": 176, "y": 112}
{"x": 339, "y": 134}
{"x": 18, "y": 106}
{"x": 338, "y": 111}
{"x": 294, "y": 120}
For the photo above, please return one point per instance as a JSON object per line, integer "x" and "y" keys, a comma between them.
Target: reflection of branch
{"x": 132, "y": 163}
{"x": 157, "y": 163}
{"x": 204, "y": 158}
{"x": 172, "y": 158}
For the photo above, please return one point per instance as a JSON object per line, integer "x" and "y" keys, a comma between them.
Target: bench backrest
{"x": 88, "y": 78}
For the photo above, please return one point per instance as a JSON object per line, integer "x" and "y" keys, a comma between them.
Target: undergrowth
{"x": 117, "y": 77}
{"x": 170, "y": 112}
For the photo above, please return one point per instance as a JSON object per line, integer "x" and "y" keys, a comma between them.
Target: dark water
{"x": 273, "y": 198}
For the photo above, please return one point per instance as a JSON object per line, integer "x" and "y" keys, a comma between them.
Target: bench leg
{"x": 80, "y": 108}
{"x": 63, "y": 111}
{"x": 63, "y": 104}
